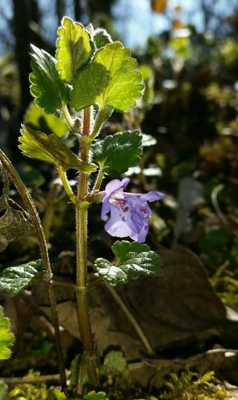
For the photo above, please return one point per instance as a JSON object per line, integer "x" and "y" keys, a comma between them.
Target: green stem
{"x": 81, "y": 253}
{"x": 68, "y": 117}
{"x": 99, "y": 179}
{"x": 30, "y": 207}
{"x": 63, "y": 176}
{"x": 100, "y": 119}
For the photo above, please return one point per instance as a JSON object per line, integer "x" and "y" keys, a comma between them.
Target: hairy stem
{"x": 30, "y": 207}
{"x": 67, "y": 187}
{"x": 81, "y": 252}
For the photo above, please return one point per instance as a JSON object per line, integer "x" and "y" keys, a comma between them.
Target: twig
{"x": 32, "y": 380}
{"x": 130, "y": 318}
{"x": 215, "y": 203}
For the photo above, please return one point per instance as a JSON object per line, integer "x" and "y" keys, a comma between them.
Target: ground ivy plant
{"x": 75, "y": 93}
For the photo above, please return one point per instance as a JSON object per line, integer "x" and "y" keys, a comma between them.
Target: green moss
{"x": 190, "y": 386}
{"x": 34, "y": 391}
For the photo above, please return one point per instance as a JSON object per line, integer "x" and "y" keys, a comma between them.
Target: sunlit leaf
{"x": 38, "y": 119}
{"x": 50, "y": 148}
{"x": 89, "y": 84}
{"x": 46, "y": 86}
{"x": 14, "y": 279}
{"x": 6, "y": 337}
{"x": 148, "y": 76}
{"x": 180, "y": 45}
{"x": 74, "y": 48}
{"x": 135, "y": 261}
{"x": 118, "y": 152}
{"x": 116, "y": 78}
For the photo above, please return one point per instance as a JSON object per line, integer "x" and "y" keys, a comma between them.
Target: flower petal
{"x": 115, "y": 185}
{"x": 141, "y": 236}
{"x": 116, "y": 226}
{"x": 106, "y": 207}
{"x": 152, "y": 196}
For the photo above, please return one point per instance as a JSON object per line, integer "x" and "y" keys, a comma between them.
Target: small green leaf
{"x": 133, "y": 261}
{"x": 6, "y": 337}
{"x": 118, "y": 152}
{"x": 38, "y": 119}
{"x": 46, "y": 86}
{"x": 112, "y": 274}
{"x": 50, "y": 148}
{"x": 118, "y": 81}
{"x": 55, "y": 394}
{"x": 14, "y": 279}
{"x": 123, "y": 249}
{"x": 115, "y": 364}
{"x": 95, "y": 396}
{"x": 101, "y": 37}
{"x": 74, "y": 48}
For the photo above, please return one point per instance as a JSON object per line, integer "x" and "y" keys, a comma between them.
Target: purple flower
{"x": 129, "y": 212}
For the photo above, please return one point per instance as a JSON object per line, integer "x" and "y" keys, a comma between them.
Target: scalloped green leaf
{"x": 123, "y": 249}
{"x": 101, "y": 37}
{"x": 38, "y": 119}
{"x": 74, "y": 48}
{"x": 111, "y": 273}
{"x": 90, "y": 82}
{"x": 46, "y": 86}
{"x": 118, "y": 152}
{"x": 50, "y": 148}
{"x": 133, "y": 262}
{"x": 122, "y": 81}
{"x": 14, "y": 279}
{"x": 6, "y": 337}
{"x": 125, "y": 85}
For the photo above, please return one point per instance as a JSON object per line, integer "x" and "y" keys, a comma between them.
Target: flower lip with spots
{"x": 127, "y": 214}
